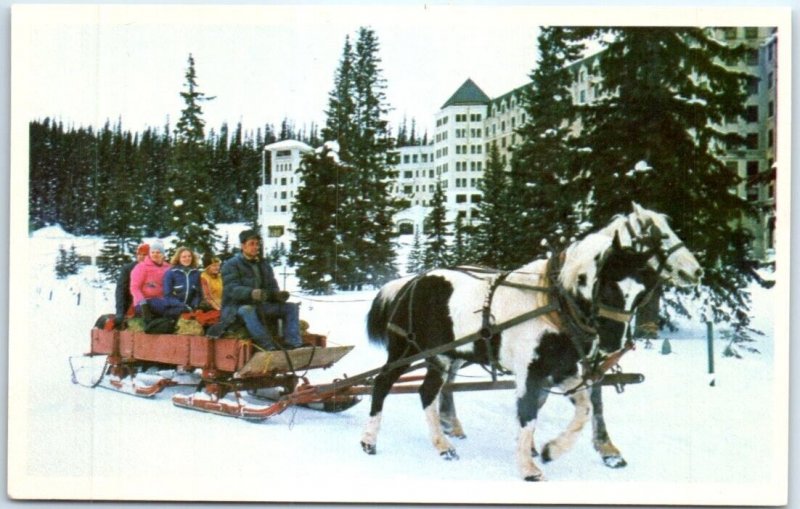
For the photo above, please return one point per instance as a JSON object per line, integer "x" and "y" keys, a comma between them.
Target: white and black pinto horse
{"x": 609, "y": 270}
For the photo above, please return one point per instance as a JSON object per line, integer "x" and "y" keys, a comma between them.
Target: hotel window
{"x": 461, "y": 198}
{"x": 751, "y": 32}
{"x": 770, "y": 138}
{"x": 274, "y": 231}
{"x": 283, "y": 208}
{"x": 770, "y": 80}
{"x": 752, "y": 57}
{"x": 424, "y": 158}
{"x": 752, "y": 141}
{"x": 751, "y": 114}
{"x": 476, "y": 198}
{"x": 283, "y": 195}
{"x": 771, "y": 109}
{"x": 414, "y": 158}
{"x": 408, "y": 174}
{"x": 752, "y": 86}
{"x": 730, "y": 33}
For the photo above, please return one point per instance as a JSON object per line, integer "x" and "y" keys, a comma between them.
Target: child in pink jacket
{"x": 147, "y": 286}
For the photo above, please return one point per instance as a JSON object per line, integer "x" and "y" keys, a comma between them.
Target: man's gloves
{"x": 279, "y": 296}
{"x": 260, "y": 295}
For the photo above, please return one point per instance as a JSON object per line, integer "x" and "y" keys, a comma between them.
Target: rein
{"x": 561, "y": 306}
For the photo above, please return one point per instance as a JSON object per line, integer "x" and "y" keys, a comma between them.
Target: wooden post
{"x": 710, "y": 339}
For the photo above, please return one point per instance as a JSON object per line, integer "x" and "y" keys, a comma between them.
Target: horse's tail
{"x": 381, "y": 311}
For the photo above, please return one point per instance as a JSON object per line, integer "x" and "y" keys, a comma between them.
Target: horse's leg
{"x": 602, "y": 443}
{"x": 447, "y": 407}
{"x": 529, "y": 401}
{"x": 381, "y": 388}
{"x": 429, "y": 393}
{"x": 583, "y": 409}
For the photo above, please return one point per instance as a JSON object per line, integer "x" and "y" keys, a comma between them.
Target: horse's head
{"x": 650, "y": 230}
{"x": 624, "y": 279}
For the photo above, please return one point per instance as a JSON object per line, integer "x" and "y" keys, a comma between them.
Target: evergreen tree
{"x": 462, "y": 251}
{"x": 340, "y": 123}
{"x": 371, "y": 239}
{"x": 66, "y": 262}
{"x": 495, "y": 241}
{"x": 402, "y": 134}
{"x": 436, "y": 226}
{"x": 547, "y": 184}
{"x": 316, "y": 211}
{"x": 112, "y": 257}
{"x": 654, "y": 137}
{"x": 356, "y": 122}
{"x": 416, "y": 257}
{"x": 189, "y": 177}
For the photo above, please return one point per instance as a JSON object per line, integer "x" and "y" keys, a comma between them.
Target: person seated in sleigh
{"x": 250, "y": 293}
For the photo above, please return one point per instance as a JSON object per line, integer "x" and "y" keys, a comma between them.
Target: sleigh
{"x": 230, "y": 376}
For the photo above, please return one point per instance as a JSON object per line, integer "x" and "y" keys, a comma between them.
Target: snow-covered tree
{"x": 437, "y": 229}
{"x": 189, "y": 182}
{"x": 654, "y": 137}
{"x": 416, "y": 257}
{"x": 494, "y": 243}
{"x": 546, "y": 181}
{"x": 317, "y": 253}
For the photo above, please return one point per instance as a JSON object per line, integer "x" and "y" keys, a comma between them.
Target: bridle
{"x": 651, "y": 237}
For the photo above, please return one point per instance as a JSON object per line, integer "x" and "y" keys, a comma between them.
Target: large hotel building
{"x": 469, "y": 122}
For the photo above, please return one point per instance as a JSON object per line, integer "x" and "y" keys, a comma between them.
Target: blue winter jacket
{"x": 239, "y": 278}
{"x": 182, "y": 285}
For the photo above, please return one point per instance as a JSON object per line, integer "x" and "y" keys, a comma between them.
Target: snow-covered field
{"x": 686, "y": 442}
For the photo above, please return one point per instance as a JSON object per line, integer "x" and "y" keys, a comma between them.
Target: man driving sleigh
{"x": 250, "y": 292}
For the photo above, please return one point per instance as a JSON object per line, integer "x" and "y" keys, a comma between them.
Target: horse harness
{"x": 561, "y": 308}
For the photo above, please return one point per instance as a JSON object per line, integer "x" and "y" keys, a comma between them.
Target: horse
{"x": 671, "y": 259}
{"x": 417, "y": 313}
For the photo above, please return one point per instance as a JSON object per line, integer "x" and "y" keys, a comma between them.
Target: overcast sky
{"x": 262, "y": 63}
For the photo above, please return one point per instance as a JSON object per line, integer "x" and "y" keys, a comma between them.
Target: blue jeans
{"x": 288, "y": 311}
{"x": 163, "y": 307}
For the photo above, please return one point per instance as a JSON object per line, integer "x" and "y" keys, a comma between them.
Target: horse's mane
{"x": 581, "y": 259}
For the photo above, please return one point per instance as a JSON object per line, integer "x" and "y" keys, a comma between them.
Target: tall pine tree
{"x": 189, "y": 178}
{"x": 654, "y": 136}
{"x": 316, "y": 213}
{"x": 356, "y": 122}
{"x": 437, "y": 228}
{"x": 546, "y": 181}
{"x": 494, "y": 243}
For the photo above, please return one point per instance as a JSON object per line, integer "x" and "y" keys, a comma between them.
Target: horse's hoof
{"x": 535, "y": 478}
{"x": 615, "y": 461}
{"x": 449, "y": 454}
{"x": 368, "y": 448}
{"x": 546, "y": 458}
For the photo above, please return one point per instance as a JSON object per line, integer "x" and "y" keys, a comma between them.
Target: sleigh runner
{"x": 232, "y": 371}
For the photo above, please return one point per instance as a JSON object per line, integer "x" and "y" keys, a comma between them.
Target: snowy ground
{"x": 686, "y": 442}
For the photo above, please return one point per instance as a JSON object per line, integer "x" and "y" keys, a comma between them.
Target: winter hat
{"x": 247, "y": 235}
{"x": 143, "y": 249}
{"x": 157, "y": 245}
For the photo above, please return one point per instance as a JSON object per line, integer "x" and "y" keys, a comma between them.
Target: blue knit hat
{"x": 157, "y": 245}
